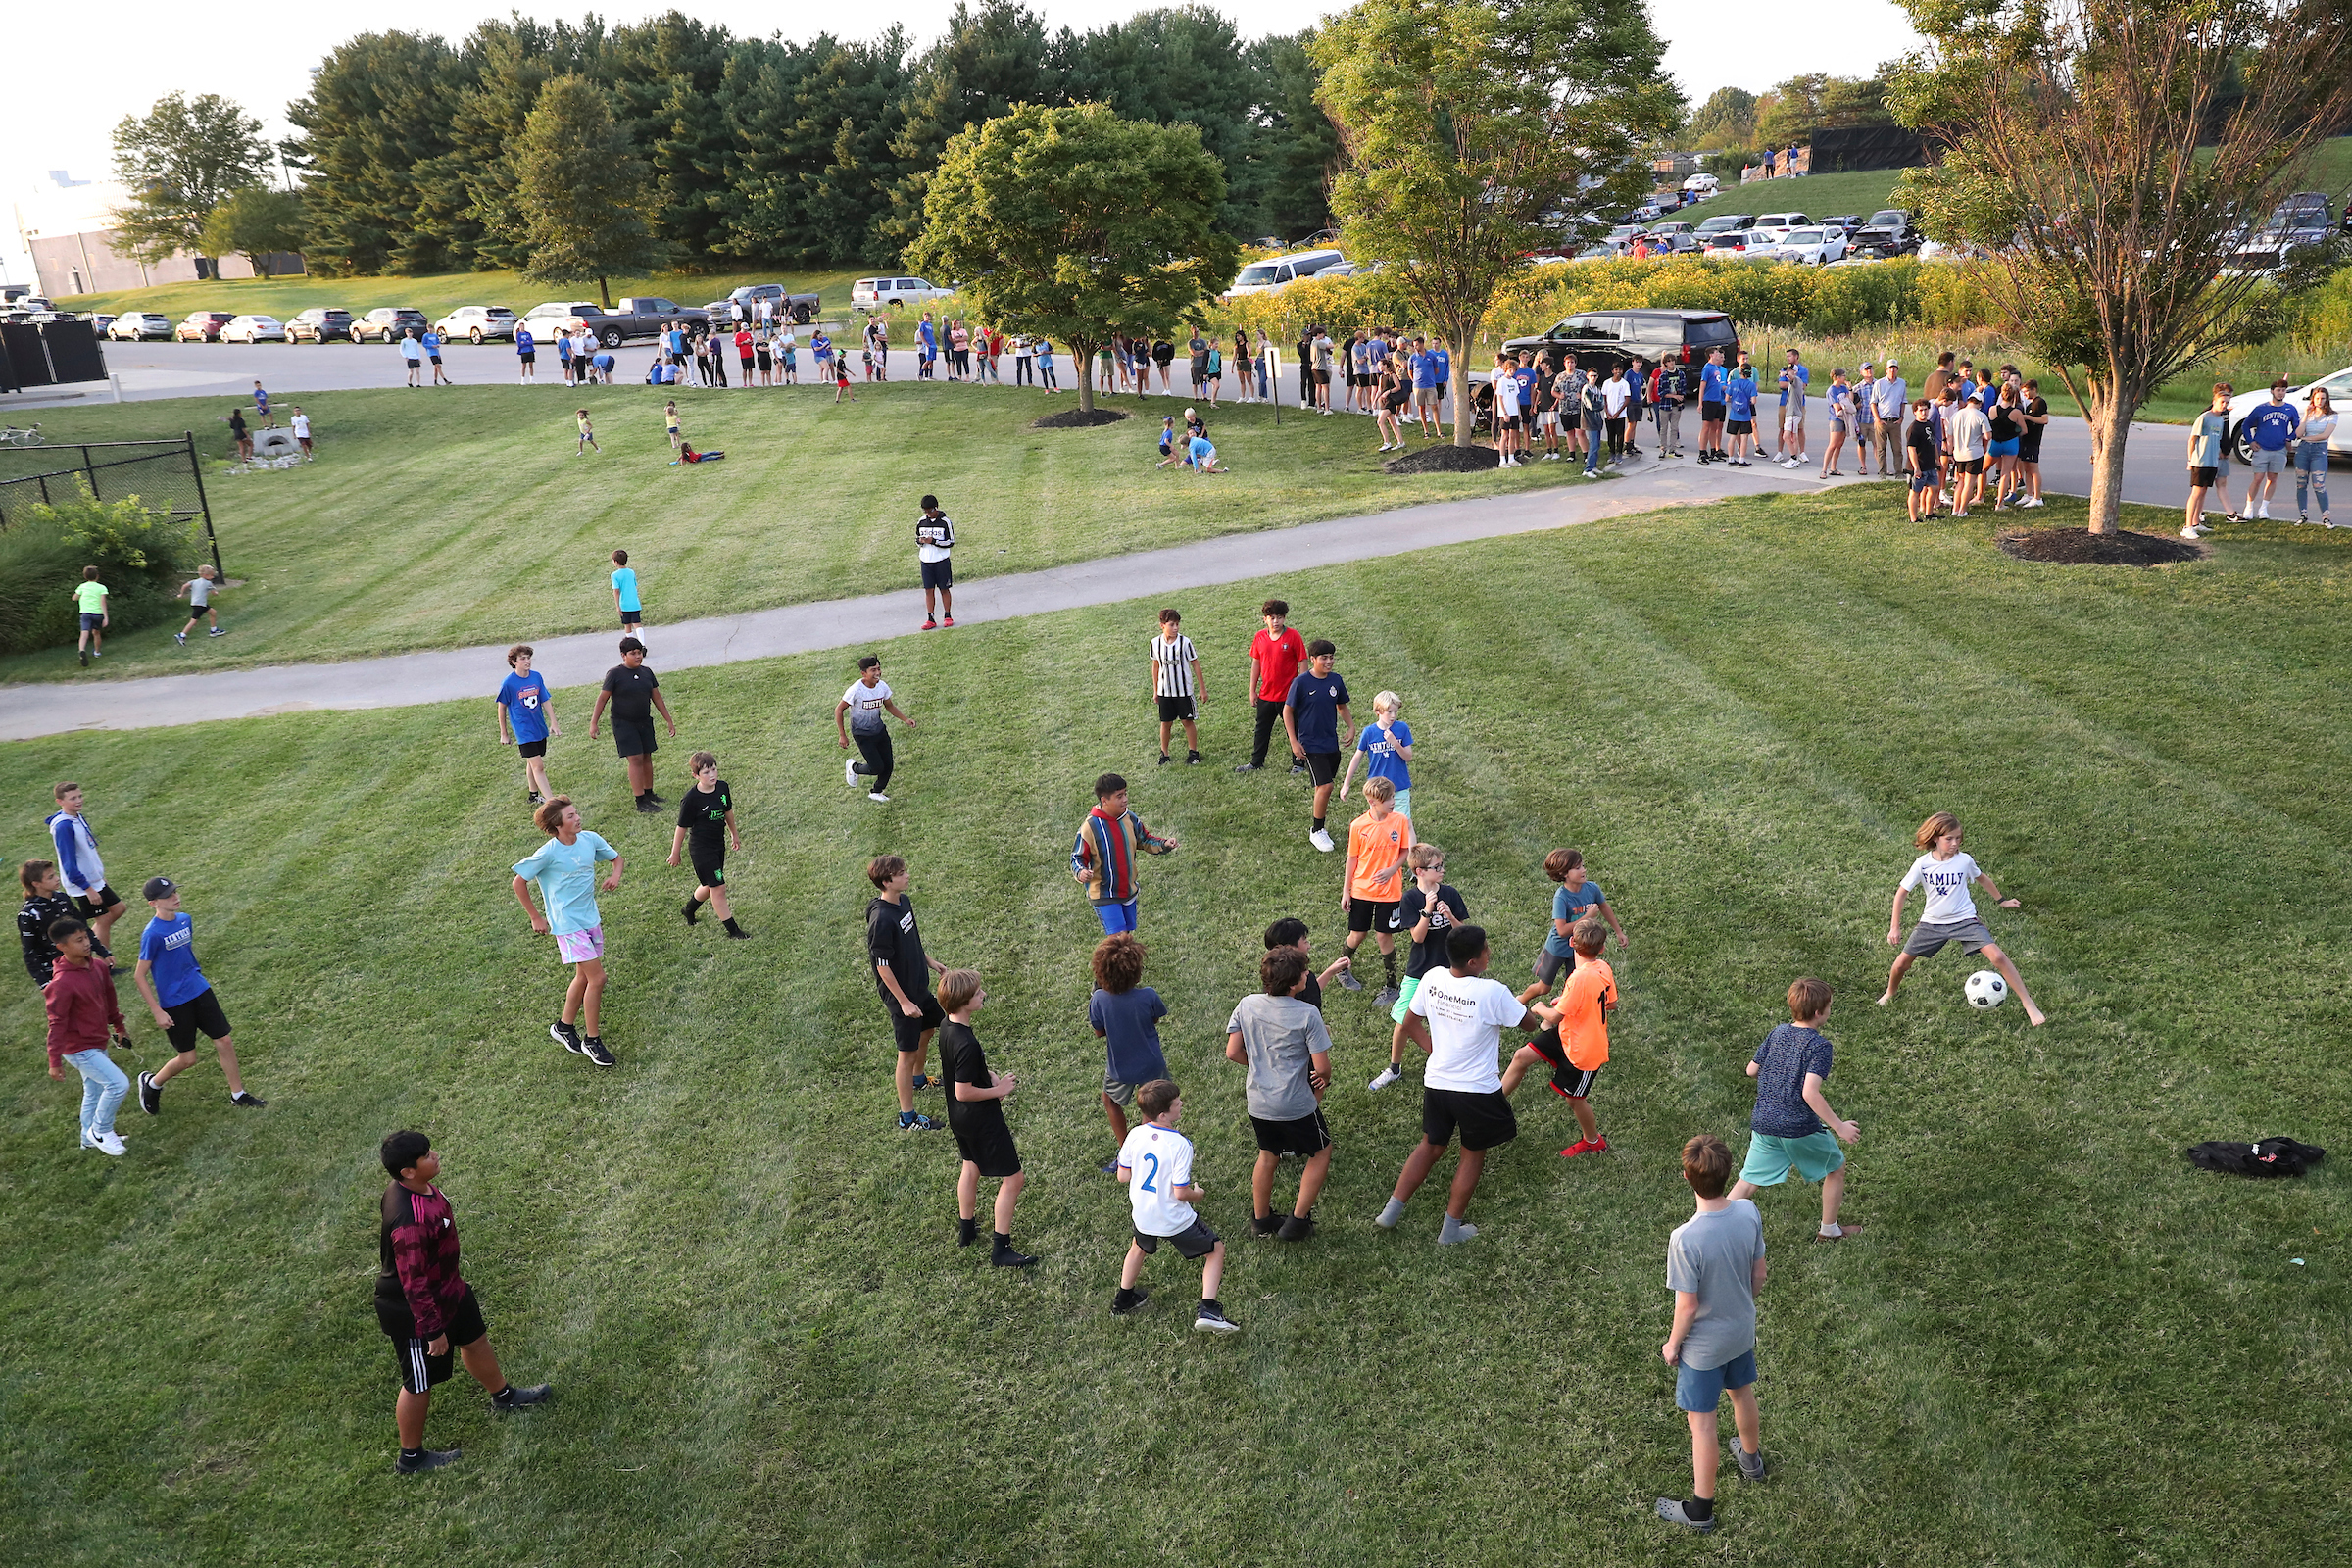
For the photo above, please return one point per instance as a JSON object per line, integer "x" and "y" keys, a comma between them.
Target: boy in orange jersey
{"x": 1578, "y": 1046}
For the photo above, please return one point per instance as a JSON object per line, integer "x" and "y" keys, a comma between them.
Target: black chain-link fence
{"x": 162, "y": 474}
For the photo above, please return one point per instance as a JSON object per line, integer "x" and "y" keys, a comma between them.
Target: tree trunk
{"x": 1082, "y": 364}
{"x": 2110, "y": 428}
{"x": 604, "y": 294}
{"x": 1465, "y": 409}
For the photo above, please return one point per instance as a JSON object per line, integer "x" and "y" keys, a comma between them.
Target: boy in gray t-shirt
{"x": 1282, "y": 1040}
{"x": 1715, "y": 1265}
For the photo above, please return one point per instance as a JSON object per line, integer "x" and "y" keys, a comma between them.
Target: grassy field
{"x": 468, "y": 517}
{"x": 435, "y": 294}
{"x": 2054, "y": 1343}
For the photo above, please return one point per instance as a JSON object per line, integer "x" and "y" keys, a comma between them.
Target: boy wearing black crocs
{"x": 1714, "y": 1265}
{"x": 903, "y": 973}
{"x": 976, "y": 1116}
{"x": 1283, "y": 1043}
{"x": 425, "y": 1306}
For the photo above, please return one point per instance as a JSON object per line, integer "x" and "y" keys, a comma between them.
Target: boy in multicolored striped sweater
{"x": 1104, "y": 860}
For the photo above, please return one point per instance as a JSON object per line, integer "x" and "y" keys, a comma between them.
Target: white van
{"x": 874, "y": 292}
{"x": 1276, "y": 271}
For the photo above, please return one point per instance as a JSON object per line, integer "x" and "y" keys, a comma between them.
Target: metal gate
{"x": 164, "y": 476}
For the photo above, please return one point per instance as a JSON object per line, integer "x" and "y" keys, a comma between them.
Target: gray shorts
{"x": 2265, "y": 461}
{"x": 1927, "y": 940}
{"x": 1119, "y": 1093}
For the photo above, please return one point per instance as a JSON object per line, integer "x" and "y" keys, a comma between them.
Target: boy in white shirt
{"x": 1457, "y": 1016}
{"x": 1950, "y": 915}
{"x": 1156, "y": 1164}
{"x": 1507, "y": 411}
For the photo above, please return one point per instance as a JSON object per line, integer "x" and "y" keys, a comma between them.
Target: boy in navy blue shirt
{"x": 1740, "y": 408}
{"x": 1125, "y": 1016}
{"x": 1793, "y": 1126}
{"x": 1315, "y": 714}
{"x": 181, "y": 999}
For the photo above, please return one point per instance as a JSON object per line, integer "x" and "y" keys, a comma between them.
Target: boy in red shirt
{"x": 82, "y": 1012}
{"x": 1275, "y": 656}
{"x": 1578, "y": 1046}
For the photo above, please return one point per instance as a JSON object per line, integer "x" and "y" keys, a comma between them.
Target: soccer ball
{"x": 1985, "y": 989}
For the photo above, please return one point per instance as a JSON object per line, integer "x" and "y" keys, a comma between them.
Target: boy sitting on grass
{"x": 1156, "y": 1164}
{"x": 1715, "y": 1266}
{"x": 1793, "y": 1125}
{"x": 1288, "y": 1050}
{"x": 1125, "y": 1015}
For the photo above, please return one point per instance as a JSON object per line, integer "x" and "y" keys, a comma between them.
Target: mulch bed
{"x": 1445, "y": 459}
{"x": 1078, "y": 418}
{"x": 2079, "y": 547}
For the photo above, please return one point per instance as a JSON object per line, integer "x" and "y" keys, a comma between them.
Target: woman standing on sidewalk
{"x": 2311, "y": 455}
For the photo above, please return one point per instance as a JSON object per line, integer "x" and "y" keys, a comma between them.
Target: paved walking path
{"x": 404, "y": 679}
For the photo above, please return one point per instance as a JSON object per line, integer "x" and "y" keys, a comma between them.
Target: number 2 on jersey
{"x": 1153, "y": 1174}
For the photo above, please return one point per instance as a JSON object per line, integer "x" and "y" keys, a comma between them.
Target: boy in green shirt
{"x": 89, "y": 598}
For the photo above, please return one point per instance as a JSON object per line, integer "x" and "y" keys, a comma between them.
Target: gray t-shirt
{"x": 1281, "y": 1034}
{"x": 1715, "y": 1256}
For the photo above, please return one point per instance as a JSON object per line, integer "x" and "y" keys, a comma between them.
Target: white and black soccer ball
{"x": 1986, "y": 989}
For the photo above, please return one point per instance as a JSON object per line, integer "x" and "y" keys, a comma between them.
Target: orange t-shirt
{"x": 1375, "y": 847}
{"x": 1583, "y": 1020}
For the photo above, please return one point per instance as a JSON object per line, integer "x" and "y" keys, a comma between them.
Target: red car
{"x": 202, "y": 327}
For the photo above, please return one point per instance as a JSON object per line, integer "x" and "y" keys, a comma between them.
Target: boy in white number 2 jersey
{"x": 1156, "y": 1164}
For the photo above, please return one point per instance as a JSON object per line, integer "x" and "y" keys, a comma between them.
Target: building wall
{"x": 87, "y": 262}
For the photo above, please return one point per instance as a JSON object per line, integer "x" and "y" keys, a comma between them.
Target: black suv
{"x": 1602, "y": 338}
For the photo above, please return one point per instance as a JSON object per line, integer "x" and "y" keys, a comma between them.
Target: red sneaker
{"x": 951, "y": 620}
{"x": 1595, "y": 1145}
{"x": 933, "y": 625}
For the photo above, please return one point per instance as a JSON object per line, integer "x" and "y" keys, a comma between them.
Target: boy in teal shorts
{"x": 1793, "y": 1124}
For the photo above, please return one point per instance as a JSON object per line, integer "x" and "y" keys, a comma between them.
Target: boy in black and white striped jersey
{"x": 1176, "y": 682}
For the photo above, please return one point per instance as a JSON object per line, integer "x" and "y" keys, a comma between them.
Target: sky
{"x": 64, "y": 119}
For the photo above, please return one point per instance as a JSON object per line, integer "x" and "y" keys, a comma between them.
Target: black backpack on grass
{"x": 2273, "y": 1156}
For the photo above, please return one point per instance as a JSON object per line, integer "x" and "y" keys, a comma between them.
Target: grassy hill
{"x": 435, "y": 294}
{"x": 744, "y": 1283}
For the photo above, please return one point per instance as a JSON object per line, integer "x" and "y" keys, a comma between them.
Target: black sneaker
{"x": 534, "y": 797}
{"x": 1296, "y": 1229}
{"x": 565, "y": 1036}
{"x": 1163, "y": 759}
{"x": 1212, "y": 1320}
{"x": 151, "y": 1094}
{"x": 738, "y": 934}
{"x": 594, "y": 1049}
{"x": 917, "y": 1122}
{"x": 1190, "y": 757}
{"x": 693, "y": 911}
{"x": 1265, "y": 1226}
{"x": 426, "y": 1459}
{"x": 511, "y": 1398}
{"x": 1007, "y": 1257}
{"x": 1128, "y": 1303}
{"x": 1248, "y": 767}
{"x": 646, "y": 803}
{"x": 246, "y": 1099}
{"x": 657, "y": 797}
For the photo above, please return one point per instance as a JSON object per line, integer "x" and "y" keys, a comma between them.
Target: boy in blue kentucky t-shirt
{"x": 181, "y": 999}
{"x": 525, "y": 705}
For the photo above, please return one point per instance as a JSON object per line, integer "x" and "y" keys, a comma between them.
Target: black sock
{"x": 1389, "y": 963}
{"x": 505, "y": 1395}
{"x": 967, "y": 1231}
{"x": 694, "y": 909}
{"x": 1318, "y": 824}
{"x": 729, "y": 924}
{"x": 412, "y": 1453}
{"x": 1701, "y": 1508}
{"x": 1003, "y": 1242}
{"x": 1209, "y": 1304}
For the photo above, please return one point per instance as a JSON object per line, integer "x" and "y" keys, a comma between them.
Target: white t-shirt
{"x": 865, "y": 704}
{"x": 1467, "y": 1016}
{"x": 1506, "y": 394}
{"x": 1947, "y": 881}
{"x": 1160, "y": 1160}
{"x": 302, "y": 427}
{"x": 1615, "y": 389}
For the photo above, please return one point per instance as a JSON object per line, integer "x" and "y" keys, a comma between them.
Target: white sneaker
{"x": 848, "y": 771}
{"x": 1320, "y": 838}
{"x": 878, "y": 795}
{"x": 106, "y": 1142}
{"x": 2190, "y": 531}
{"x": 1388, "y": 1076}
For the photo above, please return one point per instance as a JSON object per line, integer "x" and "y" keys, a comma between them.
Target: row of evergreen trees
{"x": 761, "y": 149}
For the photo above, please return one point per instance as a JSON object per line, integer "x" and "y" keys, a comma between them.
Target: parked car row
{"x": 633, "y": 317}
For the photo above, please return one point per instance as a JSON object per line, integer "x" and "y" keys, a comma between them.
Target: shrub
{"x": 143, "y": 558}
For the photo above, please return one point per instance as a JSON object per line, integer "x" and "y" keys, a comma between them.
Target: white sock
{"x": 1390, "y": 1216}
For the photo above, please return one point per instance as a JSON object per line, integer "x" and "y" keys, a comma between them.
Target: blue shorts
{"x": 2004, "y": 449}
{"x": 1814, "y": 1156}
{"x": 1701, "y": 1392}
{"x": 1115, "y": 917}
{"x": 90, "y": 622}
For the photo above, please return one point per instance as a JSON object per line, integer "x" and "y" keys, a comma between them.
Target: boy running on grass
{"x": 1372, "y": 883}
{"x": 181, "y": 999}
{"x": 1430, "y": 911}
{"x": 1577, "y": 1042}
{"x": 976, "y": 1115}
{"x": 1792, "y": 1124}
{"x": 198, "y": 591}
{"x": 903, "y": 973}
{"x": 1156, "y": 1164}
{"x": 1103, "y": 859}
{"x": 526, "y": 707}
{"x": 706, "y": 817}
{"x": 1314, "y": 712}
{"x": 1950, "y": 916}
{"x": 1275, "y": 655}
{"x": 1715, "y": 1266}
{"x": 425, "y": 1306}
{"x": 565, "y": 871}
{"x": 1389, "y": 742}
{"x": 1177, "y": 684}
{"x": 1125, "y": 1015}
{"x": 1461, "y": 1014}
{"x": 864, "y": 704}
{"x": 1283, "y": 1042}
{"x": 1574, "y": 899}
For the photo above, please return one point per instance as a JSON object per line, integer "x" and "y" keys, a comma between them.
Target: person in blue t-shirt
{"x": 1441, "y": 373}
{"x": 2271, "y": 430}
{"x": 927, "y": 342}
{"x": 181, "y": 999}
{"x": 1315, "y": 714}
{"x": 1739, "y": 414}
{"x": 1125, "y": 1015}
{"x": 1203, "y": 457}
{"x": 1576, "y": 896}
{"x": 526, "y": 350}
{"x": 1713, "y": 385}
{"x": 526, "y": 707}
{"x": 1388, "y": 743}
{"x": 563, "y": 869}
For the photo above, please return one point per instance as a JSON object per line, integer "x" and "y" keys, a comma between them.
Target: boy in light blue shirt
{"x": 563, "y": 868}
{"x": 624, "y": 592}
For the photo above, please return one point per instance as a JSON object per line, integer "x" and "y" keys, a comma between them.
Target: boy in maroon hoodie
{"x": 425, "y": 1306}
{"x": 82, "y": 1012}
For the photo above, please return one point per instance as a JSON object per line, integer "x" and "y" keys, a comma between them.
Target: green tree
{"x": 1077, "y": 223}
{"x": 255, "y": 222}
{"x": 375, "y": 138}
{"x": 1471, "y": 124}
{"x": 1284, "y": 179}
{"x": 180, "y": 159}
{"x": 1727, "y": 118}
{"x": 990, "y": 59}
{"x": 584, "y": 191}
{"x": 2071, "y": 132}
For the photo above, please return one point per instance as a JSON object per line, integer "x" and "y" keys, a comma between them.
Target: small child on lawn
{"x": 678, "y": 437}
{"x": 198, "y": 591}
{"x": 181, "y": 999}
{"x": 1793, "y": 1124}
{"x": 1167, "y": 441}
{"x": 1287, "y": 1050}
{"x": 1574, "y": 899}
{"x": 1103, "y": 859}
{"x": 976, "y": 1116}
{"x": 1715, "y": 1266}
{"x": 1125, "y": 1015}
{"x": 1156, "y": 1164}
{"x": 1578, "y": 1045}
{"x": 587, "y": 436}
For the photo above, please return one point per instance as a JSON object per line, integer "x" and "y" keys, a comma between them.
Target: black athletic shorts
{"x": 1968, "y": 464}
{"x": 200, "y": 1012}
{"x": 1197, "y": 1242}
{"x": 1323, "y": 768}
{"x": 911, "y": 1031}
{"x": 631, "y": 618}
{"x": 1567, "y": 1079}
{"x": 1307, "y": 1137}
{"x": 1739, "y": 427}
{"x": 1485, "y": 1120}
{"x": 2202, "y": 478}
{"x": 632, "y": 739}
{"x": 537, "y": 748}
{"x": 1172, "y": 709}
{"x": 94, "y": 905}
{"x": 1368, "y": 915}
{"x": 982, "y": 1137}
{"x": 938, "y": 573}
{"x": 419, "y": 1372}
{"x": 1711, "y": 412}
{"x": 528, "y": 357}
{"x": 710, "y": 873}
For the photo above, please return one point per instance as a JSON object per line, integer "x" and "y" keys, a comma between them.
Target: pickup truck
{"x": 799, "y": 308}
{"x": 634, "y": 317}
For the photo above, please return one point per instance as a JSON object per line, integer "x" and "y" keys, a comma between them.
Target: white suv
{"x": 1813, "y": 246}
{"x": 137, "y": 326}
{"x": 477, "y": 323}
{"x": 1773, "y": 227}
{"x": 874, "y": 292}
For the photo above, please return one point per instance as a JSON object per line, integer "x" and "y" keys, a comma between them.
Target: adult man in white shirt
{"x": 1890, "y": 395}
{"x": 1458, "y": 1015}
